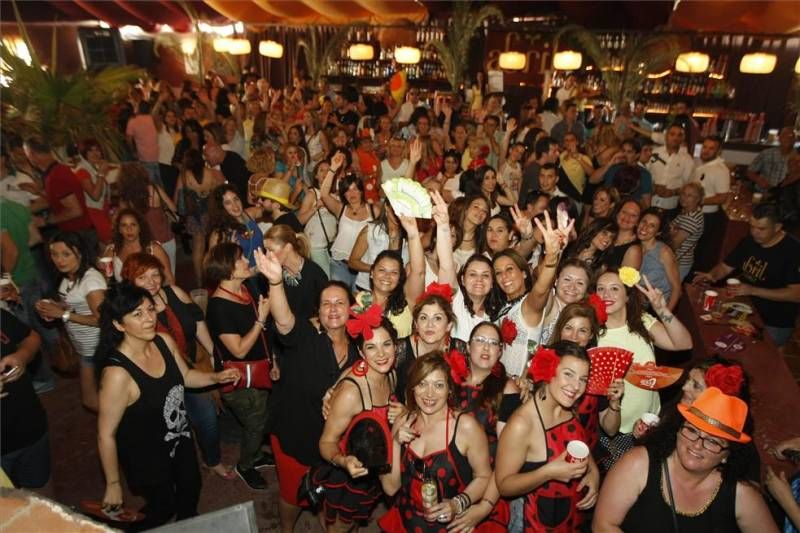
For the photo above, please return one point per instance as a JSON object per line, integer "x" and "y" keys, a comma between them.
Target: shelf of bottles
{"x": 378, "y": 70}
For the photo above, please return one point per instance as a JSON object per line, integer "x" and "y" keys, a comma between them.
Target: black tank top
{"x": 154, "y": 426}
{"x": 617, "y": 254}
{"x": 652, "y": 512}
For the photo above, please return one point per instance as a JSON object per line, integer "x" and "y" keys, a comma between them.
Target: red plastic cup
{"x": 709, "y": 300}
{"x": 577, "y": 451}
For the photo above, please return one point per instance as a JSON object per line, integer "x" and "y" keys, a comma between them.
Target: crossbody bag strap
{"x": 321, "y": 223}
{"x": 671, "y": 497}
{"x": 164, "y": 207}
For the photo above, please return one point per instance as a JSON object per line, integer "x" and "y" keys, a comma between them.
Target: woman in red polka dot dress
{"x": 580, "y": 323}
{"x": 491, "y": 397}
{"x": 437, "y": 445}
{"x": 353, "y": 489}
{"x": 532, "y": 457}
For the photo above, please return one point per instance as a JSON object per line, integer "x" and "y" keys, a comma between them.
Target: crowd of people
{"x": 438, "y": 365}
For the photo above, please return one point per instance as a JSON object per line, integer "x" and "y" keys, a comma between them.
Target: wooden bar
{"x": 775, "y": 395}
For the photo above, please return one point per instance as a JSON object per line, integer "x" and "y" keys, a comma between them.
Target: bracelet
{"x": 261, "y": 323}
{"x": 550, "y": 265}
{"x": 276, "y": 283}
{"x": 490, "y": 502}
{"x": 112, "y": 482}
{"x": 333, "y": 460}
{"x": 526, "y": 237}
{"x": 615, "y": 410}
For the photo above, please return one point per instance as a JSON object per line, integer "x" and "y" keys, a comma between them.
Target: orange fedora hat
{"x": 717, "y": 414}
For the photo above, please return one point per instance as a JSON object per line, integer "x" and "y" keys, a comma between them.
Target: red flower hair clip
{"x": 508, "y": 331}
{"x": 728, "y": 379}
{"x": 544, "y": 365}
{"x": 599, "y": 307}
{"x": 457, "y": 361}
{"x": 364, "y": 323}
{"x": 443, "y": 290}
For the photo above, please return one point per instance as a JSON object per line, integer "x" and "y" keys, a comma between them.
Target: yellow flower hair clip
{"x": 629, "y": 276}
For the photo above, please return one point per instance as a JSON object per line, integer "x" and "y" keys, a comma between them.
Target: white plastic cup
{"x": 107, "y": 264}
{"x": 577, "y": 451}
{"x": 650, "y": 419}
{"x": 732, "y": 282}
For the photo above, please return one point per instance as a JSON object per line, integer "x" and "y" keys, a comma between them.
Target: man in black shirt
{"x": 274, "y": 198}
{"x": 545, "y": 151}
{"x": 345, "y": 114}
{"x": 24, "y": 440}
{"x": 768, "y": 265}
{"x": 232, "y": 166}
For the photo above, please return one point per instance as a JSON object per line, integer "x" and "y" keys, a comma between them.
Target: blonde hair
{"x": 286, "y": 235}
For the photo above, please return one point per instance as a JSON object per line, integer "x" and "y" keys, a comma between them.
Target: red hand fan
{"x": 649, "y": 376}
{"x": 608, "y": 363}
{"x": 95, "y": 508}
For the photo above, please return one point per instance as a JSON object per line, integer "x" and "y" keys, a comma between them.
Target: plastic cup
{"x": 757, "y": 196}
{"x": 650, "y": 419}
{"x": 577, "y": 451}
{"x": 709, "y": 300}
{"x": 107, "y": 265}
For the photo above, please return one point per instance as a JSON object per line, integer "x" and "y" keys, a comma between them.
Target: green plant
{"x": 453, "y": 51}
{"x": 320, "y": 51}
{"x": 642, "y": 55}
{"x": 62, "y": 108}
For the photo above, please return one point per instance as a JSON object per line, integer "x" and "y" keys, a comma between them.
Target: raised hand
{"x": 268, "y": 264}
{"x": 439, "y": 211}
{"x": 653, "y": 294}
{"x": 511, "y": 125}
{"x": 337, "y": 161}
{"x": 415, "y": 151}
{"x": 410, "y": 225}
{"x": 522, "y": 222}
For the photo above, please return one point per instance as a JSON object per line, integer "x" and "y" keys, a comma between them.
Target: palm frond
{"x": 318, "y": 55}
{"x": 454, "y": 50}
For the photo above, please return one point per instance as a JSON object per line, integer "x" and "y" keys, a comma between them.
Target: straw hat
{"x": 717, "y": 414}
{"x": 277, "y": 190}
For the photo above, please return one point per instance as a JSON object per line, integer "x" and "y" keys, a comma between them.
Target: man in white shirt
{"x": 713, "y": 174}
{"x": 568, "y": 90}
{"x": 715, "y": 177}
{"x": 671, "y": 167}
{"x": 412, "y": 102}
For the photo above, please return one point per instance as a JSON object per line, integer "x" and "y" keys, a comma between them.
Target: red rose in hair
{"x": 443, "y": 290}
{"x": 544, "y": 365}
{"x": 728, "y": 379}
{"x": 459, "y": 370}
{"x": 599, "y": 307}
{"x": 508, "y": 331}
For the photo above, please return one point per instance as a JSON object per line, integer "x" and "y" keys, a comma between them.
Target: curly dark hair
{"x": 144, "y": 230}
{"x": 134, "y": 186}
{"x": 219, "y": 219}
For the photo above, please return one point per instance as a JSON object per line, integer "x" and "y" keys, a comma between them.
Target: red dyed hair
{"x": 139, "y": 263}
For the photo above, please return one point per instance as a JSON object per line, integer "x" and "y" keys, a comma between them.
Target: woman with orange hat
{"x": 690, "y": 476}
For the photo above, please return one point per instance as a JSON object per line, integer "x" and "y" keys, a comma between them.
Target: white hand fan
{"x": 408, "y": 198}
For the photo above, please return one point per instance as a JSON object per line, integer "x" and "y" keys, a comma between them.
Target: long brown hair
{"x": 633, "y": 309}
{"x": 491, "y": 392}
{"x": 420, "y": 369}
{"x": 578, "y": 310}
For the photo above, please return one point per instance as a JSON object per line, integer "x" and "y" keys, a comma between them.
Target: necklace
{"x": 698, "y": 512}
{"x": 238, "y": 297}
{"x": 293, "y": 280}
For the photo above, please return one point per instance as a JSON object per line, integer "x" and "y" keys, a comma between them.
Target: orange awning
{"x": 303, "y": 12}
{"x": 782, "y": 17}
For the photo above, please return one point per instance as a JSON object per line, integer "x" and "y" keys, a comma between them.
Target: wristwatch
{"x": 65, "y": 316}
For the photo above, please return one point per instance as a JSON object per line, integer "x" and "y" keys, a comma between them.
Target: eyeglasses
{"x": 711, "y": 444}
{"x": 485, "y": 341}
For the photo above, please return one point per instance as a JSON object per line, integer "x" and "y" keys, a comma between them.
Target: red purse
{"x": 255, "y": 375}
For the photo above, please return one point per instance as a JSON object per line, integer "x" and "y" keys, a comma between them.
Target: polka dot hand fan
{"x": 408, "y": 198}
{"x": 608, "y": 363}
{"x": 649, "y": 376}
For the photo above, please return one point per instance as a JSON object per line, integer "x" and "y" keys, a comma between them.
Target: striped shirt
{"x": 84, "y": 338}
{"x": 693, "y": 225}
{"x": 772, "y": 164}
